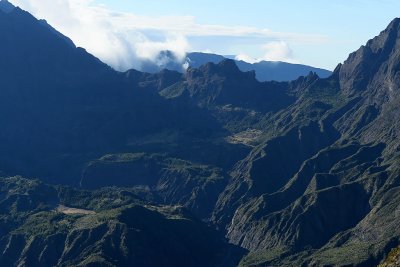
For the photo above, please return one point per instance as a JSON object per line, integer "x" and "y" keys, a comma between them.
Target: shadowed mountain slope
{"x": 300, "y": 173}
{"x": 111, "y": 227}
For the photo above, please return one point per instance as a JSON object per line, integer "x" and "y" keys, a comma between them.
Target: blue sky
{"x": 319, "y": 33}
{"x": 347, "y": 24}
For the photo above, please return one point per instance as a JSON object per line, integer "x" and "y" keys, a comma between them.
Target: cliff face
{"x": 298, "y": 173}
{"x": 333, "y": 188}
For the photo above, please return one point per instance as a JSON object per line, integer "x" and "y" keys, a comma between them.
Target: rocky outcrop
{"x": 301, "y": 173}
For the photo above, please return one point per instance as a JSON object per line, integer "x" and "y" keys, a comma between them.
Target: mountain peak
{"x": 387, "y": 38}
{"x": 228, "y": 65}
{"x": 6, "y": 6}
{"x": 363, "y": 65}
{"x": 225, "y": 68}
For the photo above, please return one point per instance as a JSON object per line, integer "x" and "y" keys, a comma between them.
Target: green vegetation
{"x": 300, "y": 173}
{"x": 128, "y": 233}
{"x": 392, "y": 260}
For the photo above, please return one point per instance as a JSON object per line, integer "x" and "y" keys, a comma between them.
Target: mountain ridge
{"x": 299, "y": 173}
{"x": 265, "y": 70}
{"x": 6, "y": 6}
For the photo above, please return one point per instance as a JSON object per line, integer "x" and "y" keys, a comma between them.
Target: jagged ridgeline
{"x": 265, "y": 70}
{"x": 167, "y": 169}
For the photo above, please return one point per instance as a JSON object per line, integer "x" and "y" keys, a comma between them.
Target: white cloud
{"x": 247, "y": 58}
{"x": 103, "y": 33}
{"x": 278, "y": 51}
{"x": 149, "y": 49}
{"x": 123, "y": 40}
{"x": 273, "y": 51}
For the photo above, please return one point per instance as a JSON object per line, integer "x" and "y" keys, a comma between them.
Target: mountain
{"x": 39, "y": 229}
{"x": 164, "y": 60}
{"x": 209, "y": 87}
{"x": 210, "y": 167}
{"x": 197, "y": 59}
{"x": 296, "y": 210}
{"x": 264, "y": 70}
{"x": 75, "y": 108}
{"x": 6, "y": 6}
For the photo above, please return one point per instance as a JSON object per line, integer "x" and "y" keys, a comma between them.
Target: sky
{"x": 123, "y": 33}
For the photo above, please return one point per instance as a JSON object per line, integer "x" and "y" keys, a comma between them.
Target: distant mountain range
{"x": 209, "y": 167}
{"x": 265, "y": 70}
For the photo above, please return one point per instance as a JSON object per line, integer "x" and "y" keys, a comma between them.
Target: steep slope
{"x": 171, "y": 181}
{"x": 111, "y": 228}
{"x": 6, "y": 6}
{"x": 300, "y": 173}
{"x": 291, "y": 208}
{"x": 76, "y": 108}
{"x": 225, "y": 84}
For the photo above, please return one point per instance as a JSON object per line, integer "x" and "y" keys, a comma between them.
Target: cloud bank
{"x": 273, "y": 51}
{"x": 126, "y": 40}
{"x": 104, "y": 33}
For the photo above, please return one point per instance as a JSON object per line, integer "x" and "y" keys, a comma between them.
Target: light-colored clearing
{"x": 248, "y": 137}
{"x": 69, "y": 211}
